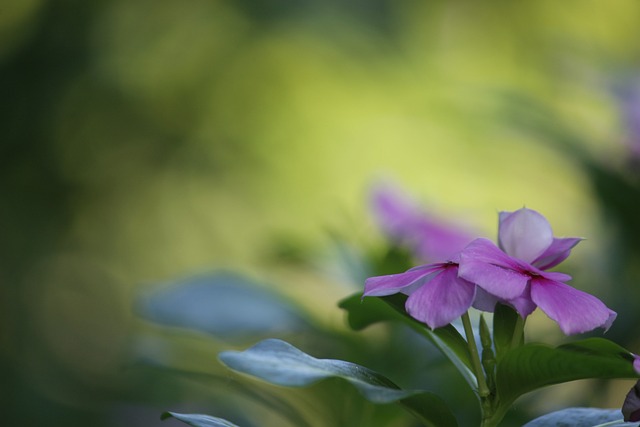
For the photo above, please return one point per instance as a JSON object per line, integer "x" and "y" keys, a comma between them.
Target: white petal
{"x": 524, "y": 234}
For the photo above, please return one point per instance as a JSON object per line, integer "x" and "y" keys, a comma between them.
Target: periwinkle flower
{"x": 517, "y": 268}
{"x": 406, "y": 222}
{"x": 527, "y": 235}
{"x": 631, "y": 405}
{"x": 513, "y": 273}
{"x": 437, "y": 295}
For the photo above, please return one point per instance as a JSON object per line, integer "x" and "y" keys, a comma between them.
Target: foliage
{"x": 146, "y": 141}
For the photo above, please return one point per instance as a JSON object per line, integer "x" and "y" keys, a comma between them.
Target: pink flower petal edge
{"x": 559, "y": 250}
{"x": 574, "y": 311}
{"x": 394, "y": 283}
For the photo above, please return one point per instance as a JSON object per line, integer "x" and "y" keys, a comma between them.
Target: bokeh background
{"x": 145, "y": 143}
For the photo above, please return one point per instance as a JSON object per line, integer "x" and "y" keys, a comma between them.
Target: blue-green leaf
{"x": 280, "y": 363}
{"x": 198, "y": 420}
{"x": 217, "y": 304}
{"x": 581, "y": 417}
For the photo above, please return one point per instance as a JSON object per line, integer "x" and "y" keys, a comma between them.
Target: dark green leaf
{"x": 364, "y": 312}
{"x": 580, "y": 417}
{"x": 198, "y": 420}
{"x": 430, "y": 409}
{"x": 534, "y": 366}
{"x": 395, "y": 259}
{"x": 504, "y": 324}
{"x": 218, "y": 382}
{"x": 599, "y": 346}
{"x": 280, "y": 363}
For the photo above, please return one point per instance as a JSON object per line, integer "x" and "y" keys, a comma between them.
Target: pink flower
{"x": 405, "y": 221}
{"x": 514, "y": 273}
{"x": 437, "y": 296}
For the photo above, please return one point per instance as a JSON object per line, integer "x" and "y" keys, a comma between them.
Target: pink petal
{"x": 484, "y": 264}
{"x": 484, "y": 301}
{"x": 524, "y": 234}
{"x": 394, "y": 283}
{"x": 523, "y": 304}
{"x": 502, "y": 216}
{"x": 555, "y": 276}
{"x": 438, "y": 241}
{"x": 485, "y": 250}
{"x": 442, "y": 299}
{"x": 404, "y": 220}
{"x": 574, "y": 311}
{"x": 556, "y": 253}
{"x": 395, "y": 212}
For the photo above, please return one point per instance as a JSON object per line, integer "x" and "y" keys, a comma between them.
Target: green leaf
{"x": 505, "y": 319}
{"x": 599, "y": 346}
{"x": 216, "y": 303}
{"x": 271, "y": 401}
{"x": 198, "y": 420}
{"x": 581, "y": 417}
{"x": 364, "y": 312}
{"x": 534, "y": 366}
{"x": 280, "y": 363}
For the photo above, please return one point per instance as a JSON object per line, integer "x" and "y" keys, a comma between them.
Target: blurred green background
{"x": 147, "y": 141}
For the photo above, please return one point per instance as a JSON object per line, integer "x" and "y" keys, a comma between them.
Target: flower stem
{"x": 483, "y": 390}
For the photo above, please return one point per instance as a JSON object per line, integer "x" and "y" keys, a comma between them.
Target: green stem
{"x": 494, "y": 419}
{"x": 483, "y": 390}
{"x": 518, "y": 331}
